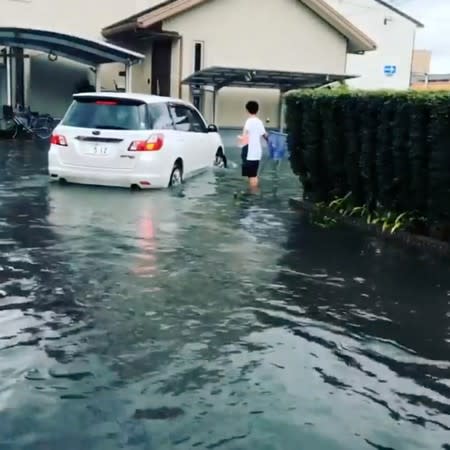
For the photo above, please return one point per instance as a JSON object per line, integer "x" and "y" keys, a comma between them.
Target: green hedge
{"x": 391, "y": 150}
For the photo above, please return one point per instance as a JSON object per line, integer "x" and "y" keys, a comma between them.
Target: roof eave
{"x": 139, "y": 20}
{"x": 358, "y": 41}
{"x": 114, "y": 30}
{"x": 359, "y": 48}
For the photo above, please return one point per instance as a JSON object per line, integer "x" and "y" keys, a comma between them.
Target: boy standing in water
{"x": 254, "y": 130}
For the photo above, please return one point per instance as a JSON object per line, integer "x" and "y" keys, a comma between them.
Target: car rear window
{"x": 107, "y": 114}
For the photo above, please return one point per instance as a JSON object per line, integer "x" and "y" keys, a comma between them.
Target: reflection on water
{"x": 196, "y": 320}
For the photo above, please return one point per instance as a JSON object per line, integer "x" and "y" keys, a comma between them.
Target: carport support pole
{"x": 128, "y": 79}
{"x": 98, "y": 80}
{"x": 9, "y": 100}
{"x": 281, "y": 111}
{"x": 214, "y": 105}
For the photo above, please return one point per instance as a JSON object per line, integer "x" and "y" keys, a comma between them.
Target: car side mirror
{"x": 212, "y": 128}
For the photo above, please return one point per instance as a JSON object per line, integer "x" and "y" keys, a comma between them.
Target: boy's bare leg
{"x": 253, "y": 183}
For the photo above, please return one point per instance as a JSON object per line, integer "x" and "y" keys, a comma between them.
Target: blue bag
{"x": 277, "y": 143}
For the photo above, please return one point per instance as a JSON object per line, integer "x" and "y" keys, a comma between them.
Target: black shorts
{"x": 250, "y": 168}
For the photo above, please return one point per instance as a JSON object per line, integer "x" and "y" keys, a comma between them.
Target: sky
{"x": 435, "y": 15}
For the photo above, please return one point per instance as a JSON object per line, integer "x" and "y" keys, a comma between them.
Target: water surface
{"x": 189, "y": 319}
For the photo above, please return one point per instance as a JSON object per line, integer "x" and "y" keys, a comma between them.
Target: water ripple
{"x": 192, "y": 320}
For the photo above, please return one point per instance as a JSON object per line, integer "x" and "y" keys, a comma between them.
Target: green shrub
{"x": 352, "y": 144}
{"x": 333, "y": 144}
{"x": 384, "y": 161}
{"x": 294, "y": 129}
{"x": 439, "y": 158}
{"x": 419, "y": 153}
{"x": 389, "y": 150}
{"x": 312, "y": 143}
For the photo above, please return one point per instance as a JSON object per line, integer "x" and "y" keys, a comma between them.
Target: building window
{"x": 198, "y": 56}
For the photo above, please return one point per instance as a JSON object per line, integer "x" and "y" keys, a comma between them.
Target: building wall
{"x": 81, "y": 17}
{"x": 141, "y": 72}
{"x": 395, "y": 43}
{"x": 432, "y": 86}
{"x": 286, "y": 37}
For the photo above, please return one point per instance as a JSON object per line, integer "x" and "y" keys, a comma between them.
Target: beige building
{"x": 421, "y": 62}
{"x": 233, "y": 44}
{"x": 422, "y": 79}
{"x": 208, "y": 51}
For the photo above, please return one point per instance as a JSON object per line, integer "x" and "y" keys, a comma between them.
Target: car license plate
{"x": 97, "y": 150}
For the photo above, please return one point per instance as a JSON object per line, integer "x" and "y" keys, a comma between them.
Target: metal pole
{"x": 214, "y": 105}
{"x": 27, "y": 79}
{"x": 8, "y": 77}
{"x": 98, "y": 80}
{"x": 19, "y": 75}
{"x": 280, "y": 112}
{"x": 128, "y": 78}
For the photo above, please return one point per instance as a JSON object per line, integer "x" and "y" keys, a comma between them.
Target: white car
{"x": 132, "y": 140}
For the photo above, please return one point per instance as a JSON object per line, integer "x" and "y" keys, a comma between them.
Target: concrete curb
{"x": 411, "y": 240}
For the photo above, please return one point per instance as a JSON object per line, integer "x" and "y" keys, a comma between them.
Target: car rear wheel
{"x": 220, "y": 161}
{"x": 176, "y": 177}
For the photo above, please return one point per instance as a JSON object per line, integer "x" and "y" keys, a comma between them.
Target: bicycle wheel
{"x": 43, "y": 127}
{"x": 14, "y": 130}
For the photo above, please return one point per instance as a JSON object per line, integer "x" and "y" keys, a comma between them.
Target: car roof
{"x": 131, "y": 96}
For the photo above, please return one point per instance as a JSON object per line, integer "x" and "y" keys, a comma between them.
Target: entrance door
{"x": 161, "y": 67}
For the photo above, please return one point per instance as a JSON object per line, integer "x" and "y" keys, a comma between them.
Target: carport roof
{"x": 219, "y": 77}
{"x": 83, "y": 50}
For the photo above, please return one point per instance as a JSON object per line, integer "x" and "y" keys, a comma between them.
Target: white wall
{"x": 84, "y": 18}
{"x": 257, "y": 34}
{"x": 395, "y": 42}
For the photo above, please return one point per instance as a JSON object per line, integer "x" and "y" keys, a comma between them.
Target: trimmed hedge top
{"x": 391, "y": 150}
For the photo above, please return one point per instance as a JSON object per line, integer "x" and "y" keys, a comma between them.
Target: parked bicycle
{"x": 35, "y": 125}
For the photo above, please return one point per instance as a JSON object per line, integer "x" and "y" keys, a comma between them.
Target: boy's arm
{"x": 242, "y": 137}
{"x": 244, "y": 133}
{"x": 245, "y": 130}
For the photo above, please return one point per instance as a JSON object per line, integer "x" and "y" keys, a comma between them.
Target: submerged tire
{"x": 220, "y": 160}
{"x": 176, "y": 177}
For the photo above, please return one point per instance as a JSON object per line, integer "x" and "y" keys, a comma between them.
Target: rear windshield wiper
{"x": 109, "y": 127}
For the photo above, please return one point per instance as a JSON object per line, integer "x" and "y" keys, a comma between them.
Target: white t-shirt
{"x": 255, "y": 130}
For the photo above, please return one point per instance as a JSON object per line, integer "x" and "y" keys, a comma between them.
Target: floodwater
{"x": 189, "y": 319}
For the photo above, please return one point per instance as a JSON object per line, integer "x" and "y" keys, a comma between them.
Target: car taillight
{"x": 58, "y": 139}
{"x": 106, "y": 102}
{"x": 154, "y": 143}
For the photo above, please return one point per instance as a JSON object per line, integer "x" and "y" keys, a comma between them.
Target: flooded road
{"x": 181, "y": 320}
